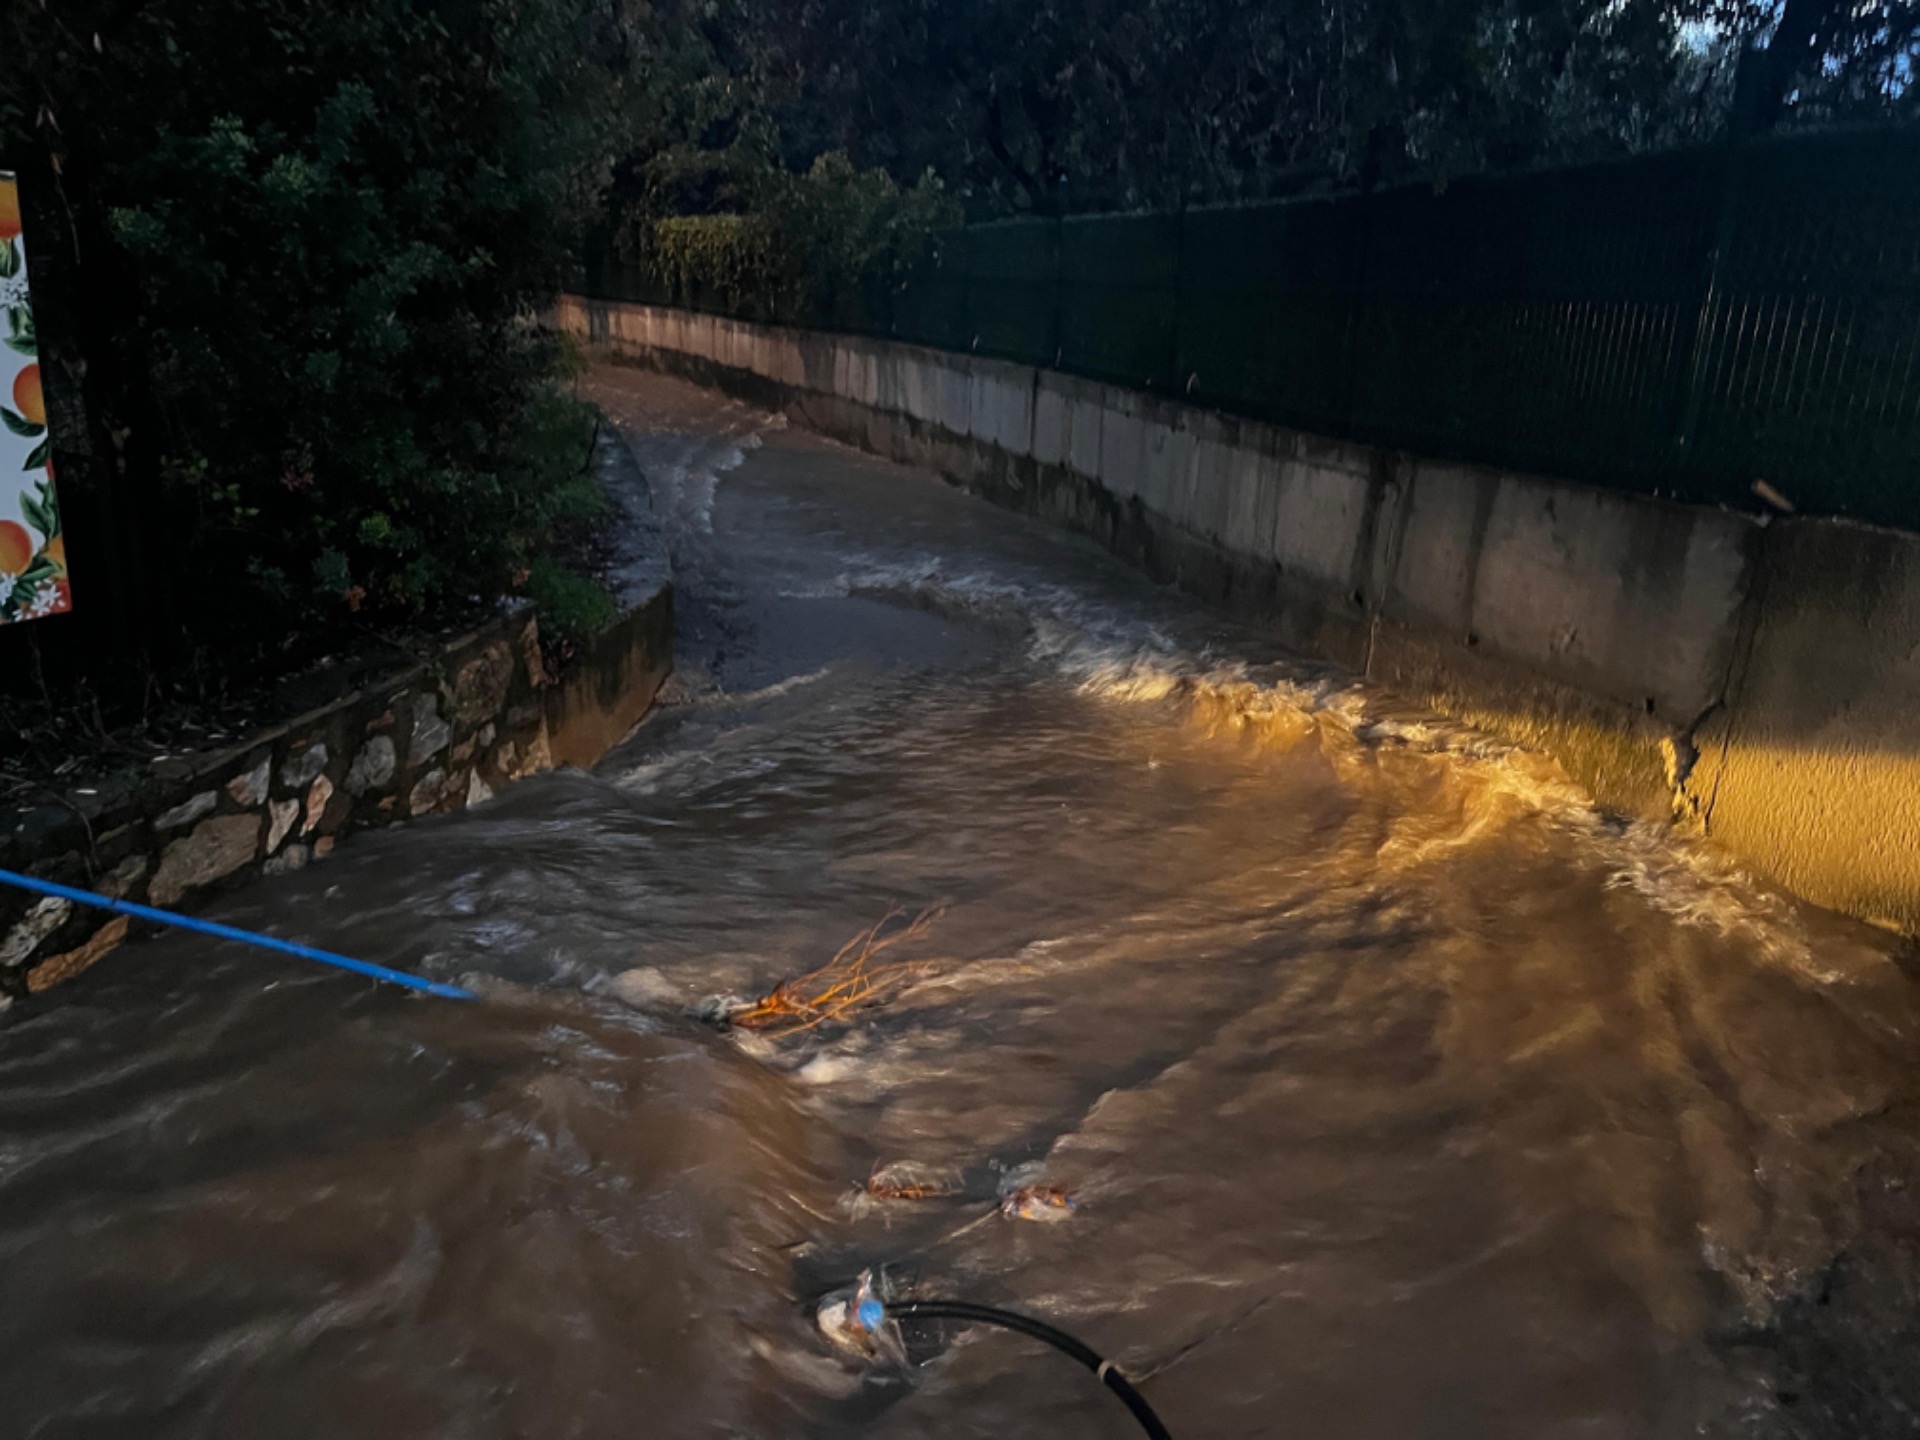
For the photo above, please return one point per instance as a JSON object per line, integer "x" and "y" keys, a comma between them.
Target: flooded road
{"x": 1400, "y": 1094}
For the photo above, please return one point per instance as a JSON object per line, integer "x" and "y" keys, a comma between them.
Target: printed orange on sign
{"x": 33, "y": 552}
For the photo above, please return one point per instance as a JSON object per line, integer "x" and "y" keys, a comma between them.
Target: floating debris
{"x": 856, "y": 1321}
{"x": 845, "y": 983}
{"x": 907, "y": 1181}
{"x": 901, "y": 1183}
{"x": 1045, "y": 1203}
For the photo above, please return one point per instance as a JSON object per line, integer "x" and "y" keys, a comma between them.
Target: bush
{"x": 572, "y": 607}
{"x": 815, "y": 245}
{"x": 339, "y": 219}
{"x": 729, "y": 260}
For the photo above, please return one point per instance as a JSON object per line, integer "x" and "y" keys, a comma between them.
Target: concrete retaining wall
{"x": 425, "y": 739}
{"x": 1756, "y": 681}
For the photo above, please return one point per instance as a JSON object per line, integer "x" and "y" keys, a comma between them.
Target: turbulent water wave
{"x": 1127, "y": 660}
{"x": 1477, "y": 789}
{"x": 1396, "y": 1088}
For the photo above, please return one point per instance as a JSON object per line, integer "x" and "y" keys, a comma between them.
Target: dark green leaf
{"x": 41, "y": 569}
{"x": 37, "y": 457}
{"x": 9, "y": 259}
{"x": 22, "y": 345}
{"x": 20, "y": 425}
{"x": 34, "y": 507}
{"x": 49, "y": 508}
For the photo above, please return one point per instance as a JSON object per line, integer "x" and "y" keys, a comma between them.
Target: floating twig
{"x": 849, "y": 980}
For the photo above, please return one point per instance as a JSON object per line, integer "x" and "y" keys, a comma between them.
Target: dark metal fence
{"x": 1684, "y": 324}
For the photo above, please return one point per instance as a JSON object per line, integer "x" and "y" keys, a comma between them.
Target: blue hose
{"x": 228, "y": 932}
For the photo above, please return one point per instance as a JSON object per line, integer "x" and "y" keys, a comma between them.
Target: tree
{"x": 1822, "y": 59}
{"x": 1047, "y": 105}
{"x": 309, "y": 236}
{"x": 1085, "y": 103}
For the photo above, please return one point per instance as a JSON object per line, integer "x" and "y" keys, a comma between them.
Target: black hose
{"x": 1104, "y": 1370}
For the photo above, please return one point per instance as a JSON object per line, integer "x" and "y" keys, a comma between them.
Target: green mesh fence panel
{"x": 931, "y": 308}
{"x": 1683, "y": 325}
{"x": 1806, "y": 373}
{"x": 1266, "y": 307}
{"x": 1536, "y": 323}
{"x": 1120, "y": 297}
{"x": 1013, "y": 272}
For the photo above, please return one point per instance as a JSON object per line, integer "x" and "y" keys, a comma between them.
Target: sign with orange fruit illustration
{"x": 33, "y": 554}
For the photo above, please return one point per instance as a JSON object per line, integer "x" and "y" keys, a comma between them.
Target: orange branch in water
{"x": 844, "y": 983}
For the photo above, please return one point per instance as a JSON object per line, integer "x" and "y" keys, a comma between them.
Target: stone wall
{"x": 430, "y": 737}
{"x": 1755, "y": 681}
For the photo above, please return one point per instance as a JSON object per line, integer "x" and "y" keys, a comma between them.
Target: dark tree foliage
{"x": 1099, "y": 103}
{"x": 1809, "y": 61}
{"x": 1088, "y": 104}
{"x": 304, "y": 243}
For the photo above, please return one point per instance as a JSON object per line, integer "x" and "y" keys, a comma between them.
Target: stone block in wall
{"x": 481, "y": 685}
{"x": 43, "y": 917}
{"x": 373, "y": 766}
{"x": 304, "y": 761}
{"x": 216, "y": 849}
{"x": 281, "y": 817}
{"x": 123, "y": 881}
{"x": 187, "y": 811}
{"x": 430, "y": 732}
{"x": 81, "y": 958}
{"x": 250, "y": 787}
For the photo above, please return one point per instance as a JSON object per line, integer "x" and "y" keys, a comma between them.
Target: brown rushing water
{"x": 1402, "y": 1094}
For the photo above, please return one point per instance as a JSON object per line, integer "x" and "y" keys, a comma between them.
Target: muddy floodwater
{"x": 1400, "y": 1094}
